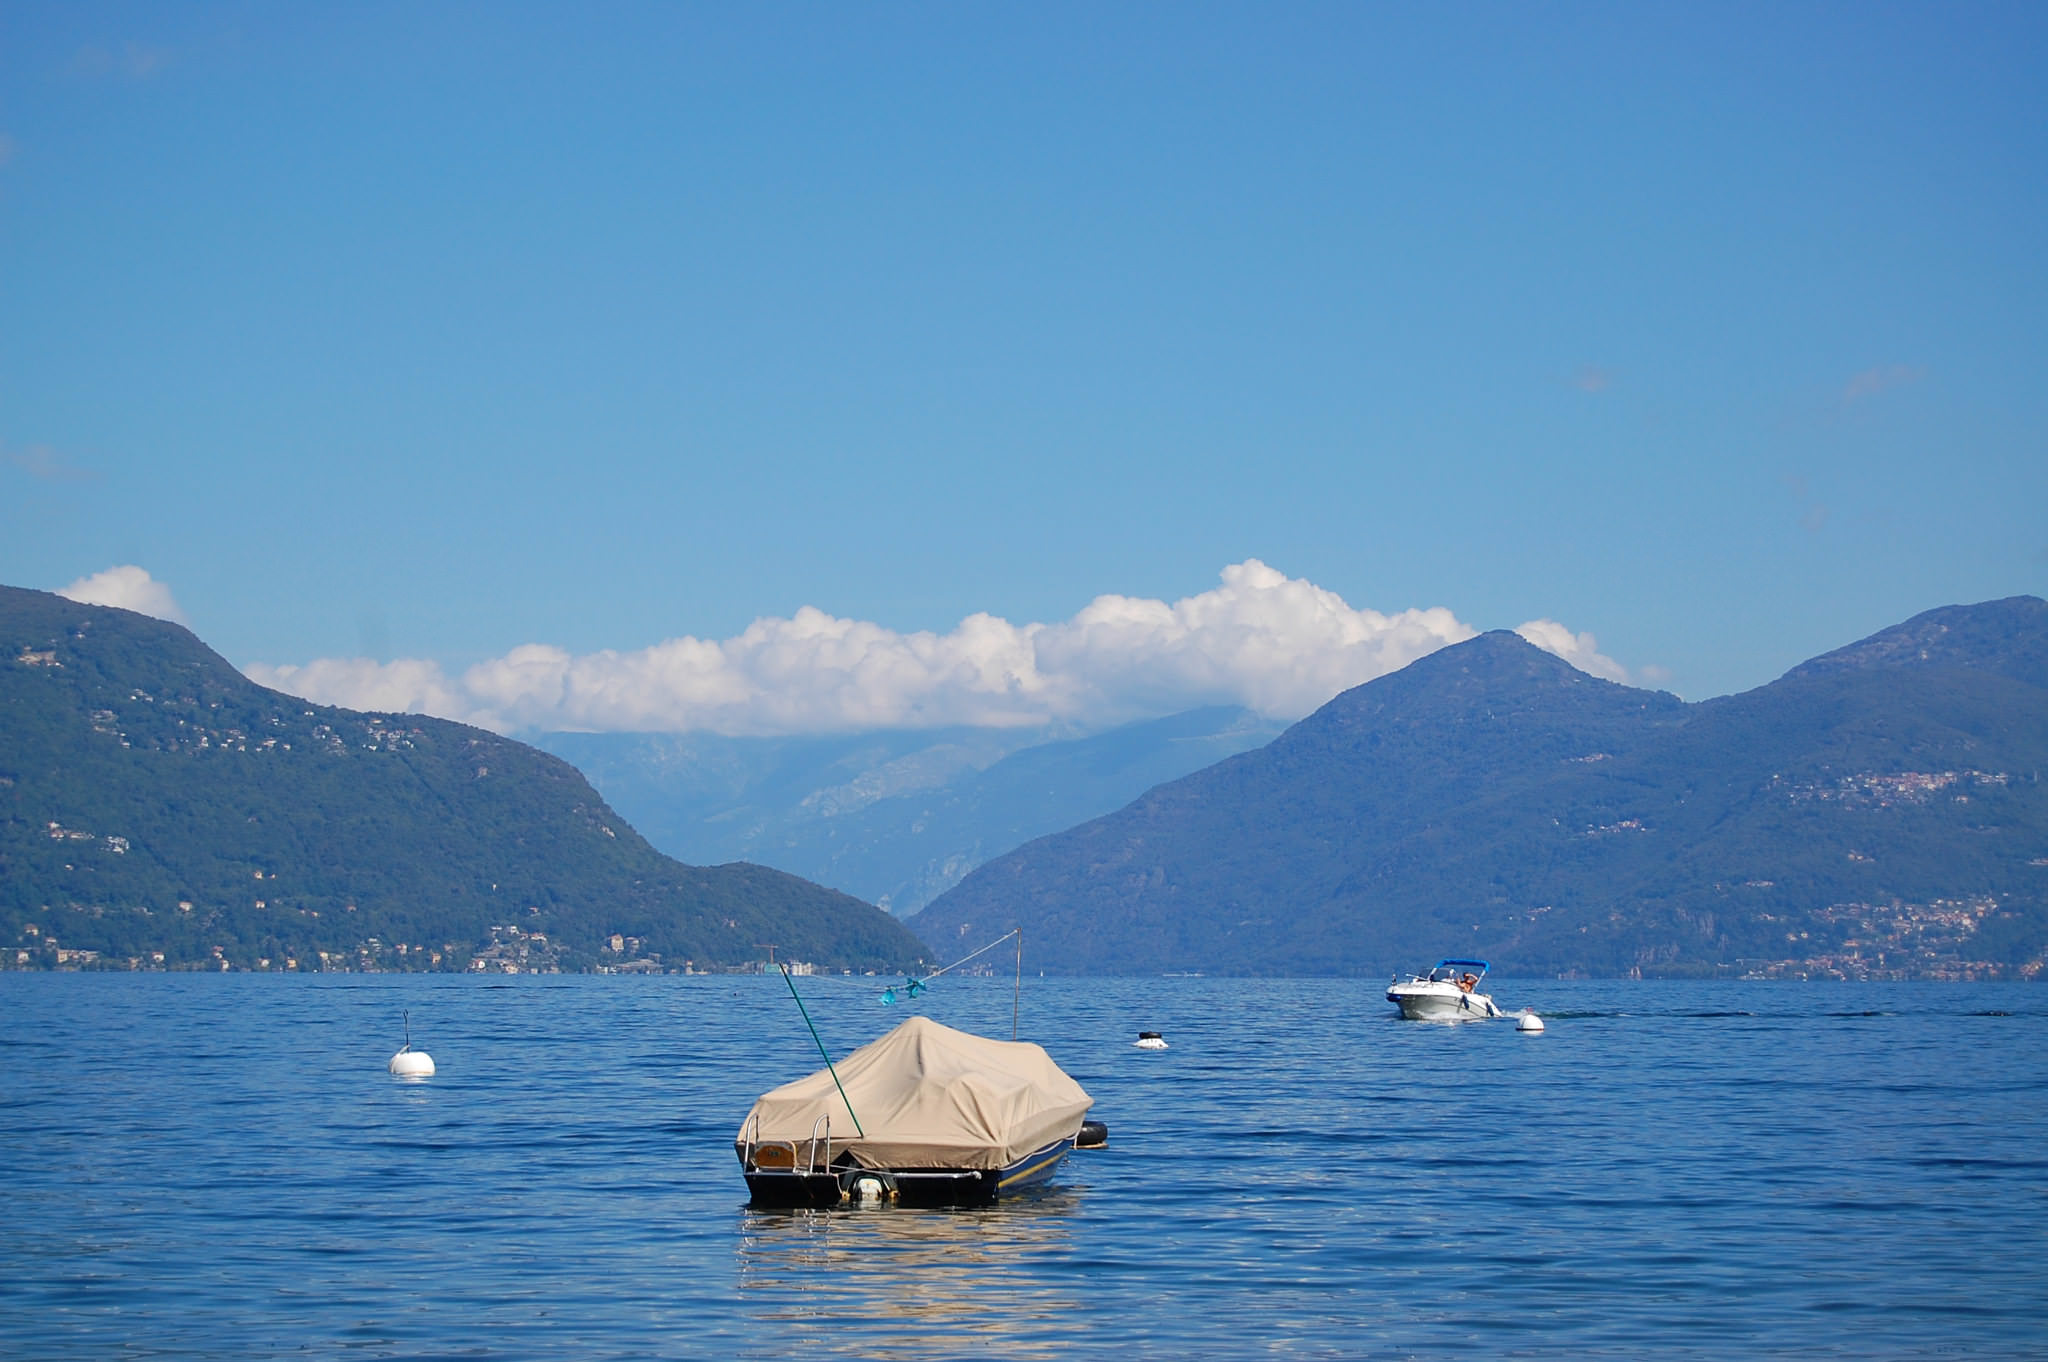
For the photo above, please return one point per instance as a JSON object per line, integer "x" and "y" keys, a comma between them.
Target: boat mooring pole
{"x": 1017, "y": 998}
{"x": 821, "y": 1049}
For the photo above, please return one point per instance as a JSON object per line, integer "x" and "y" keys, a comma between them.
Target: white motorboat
{"x": 1449, "y": 992}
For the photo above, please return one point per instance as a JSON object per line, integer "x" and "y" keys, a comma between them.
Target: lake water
{"x": 219, "y": 1167}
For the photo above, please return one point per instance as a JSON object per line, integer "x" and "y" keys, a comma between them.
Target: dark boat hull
{"x": 769, "y": 1187}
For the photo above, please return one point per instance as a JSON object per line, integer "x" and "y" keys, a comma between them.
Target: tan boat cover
{"x": 929, "y": 1097}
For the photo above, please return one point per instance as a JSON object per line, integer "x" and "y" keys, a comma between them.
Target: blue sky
{"x": 419, "y": 334}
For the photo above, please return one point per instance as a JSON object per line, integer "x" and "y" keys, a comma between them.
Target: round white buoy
{"x": 1151, "y": 1040}
{"x": 411, "y": 1063}
{"x": 1529, "y": 1022}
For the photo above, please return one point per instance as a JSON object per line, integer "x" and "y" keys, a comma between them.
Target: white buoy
{"x": 408, "y": 1062}
{"x": 1151, "y": 1040}
{"x": 1529, "y": 1022}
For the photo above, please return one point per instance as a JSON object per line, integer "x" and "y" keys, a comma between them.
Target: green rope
{"x": 821, "y": 1049}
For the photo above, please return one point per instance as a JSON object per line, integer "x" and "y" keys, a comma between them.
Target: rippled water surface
{"x": 221, "y": 1167}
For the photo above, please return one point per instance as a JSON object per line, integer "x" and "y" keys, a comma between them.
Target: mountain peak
{"x": 1481, "y": 671}
{"x": 1504, "y": 648}
{"x": 1491, "y": 798}
{"x": 2007, "y": 636}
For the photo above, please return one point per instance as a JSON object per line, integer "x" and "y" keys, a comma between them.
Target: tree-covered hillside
{"x": 1878, "y": 811}
{"x": 153, "y": 800}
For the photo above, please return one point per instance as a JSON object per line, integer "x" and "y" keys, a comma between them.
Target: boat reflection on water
{"x": 936, "y": 1283}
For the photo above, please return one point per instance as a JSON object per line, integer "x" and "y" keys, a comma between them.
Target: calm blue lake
{"x": 220, "y": 1167}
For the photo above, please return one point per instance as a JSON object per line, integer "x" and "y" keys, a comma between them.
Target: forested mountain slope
{"x": 154, "y": 800}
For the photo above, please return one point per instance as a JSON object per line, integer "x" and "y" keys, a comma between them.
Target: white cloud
{"x": 1276, "y": 644}
{"x": 1261, "y": 639}
{"x": 129, "y": 588}
{"x": 407, "y": 686}
{"x": 1581, "y": 650}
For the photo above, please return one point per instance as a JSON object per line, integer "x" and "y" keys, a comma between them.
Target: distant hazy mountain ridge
{"x": 1877, "y": 811}
{"x": 895, "y": 817}
{"x": 154, "y": 802}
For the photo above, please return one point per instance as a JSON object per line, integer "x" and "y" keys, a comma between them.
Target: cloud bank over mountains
{"x": 1275, "y": 644}
{"x": 128, "y": 588}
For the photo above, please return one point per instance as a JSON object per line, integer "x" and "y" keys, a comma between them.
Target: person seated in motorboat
{"x": 1467, "y": 982}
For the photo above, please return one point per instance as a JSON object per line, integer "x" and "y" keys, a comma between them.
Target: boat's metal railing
{"x": 778, "y": 1155}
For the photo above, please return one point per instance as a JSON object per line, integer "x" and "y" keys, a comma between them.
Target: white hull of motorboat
{"x": 1422, "y": 1000}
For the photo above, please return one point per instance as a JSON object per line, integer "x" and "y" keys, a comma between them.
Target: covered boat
{"x": 926, "y": 1115}
{"x": 1449, "y": 992}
